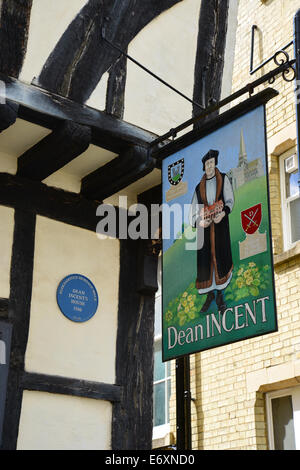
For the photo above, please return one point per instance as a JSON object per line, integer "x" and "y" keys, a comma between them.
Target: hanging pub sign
{"x": 218, "y": 285}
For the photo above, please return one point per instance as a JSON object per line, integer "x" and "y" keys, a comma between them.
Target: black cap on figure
{"x": 210, "y": 154}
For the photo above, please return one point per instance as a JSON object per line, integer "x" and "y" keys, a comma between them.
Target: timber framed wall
{"x": 62, "y": 374}
{"x": 30, "y": 368}
{"x": 21, "y": 314}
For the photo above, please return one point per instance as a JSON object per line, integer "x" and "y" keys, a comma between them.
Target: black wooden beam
{"x": 57, "y": 204}
{"x": 70, "y": 386}
{"x": 115, "y": 94}
{"x": 8, "y": 114}
{"x": 49, "y": 110}
{"x": 132, "y": 417}
{"x": 19, "y": 315}
{"x": 15, "y": 19}
{"x": 132, "y": 422}
{"x": 81, "y": 57}
{"x": 53, "y": 152}
{"x": 4, "y": 305}
{"x": 210, "y": 52}
{"x": 117, "y": 174}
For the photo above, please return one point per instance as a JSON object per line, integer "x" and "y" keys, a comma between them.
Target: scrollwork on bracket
{"x": 282, "y": 58}
{"x": 287, "y": 71}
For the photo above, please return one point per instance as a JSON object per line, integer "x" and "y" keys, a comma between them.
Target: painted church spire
{"x": 242, "y": 152}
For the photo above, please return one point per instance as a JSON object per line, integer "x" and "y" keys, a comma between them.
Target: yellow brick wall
{"x": 229, "y": 383}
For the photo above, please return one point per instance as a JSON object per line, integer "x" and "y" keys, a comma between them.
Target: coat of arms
{"x": 251, "y": 219}
{"x": 175, "y": 172}
{"x": 255, "y": 241}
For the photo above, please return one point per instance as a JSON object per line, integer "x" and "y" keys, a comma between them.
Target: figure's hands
{"x": 205, "y": 223}
{"x": 219, "y": 217}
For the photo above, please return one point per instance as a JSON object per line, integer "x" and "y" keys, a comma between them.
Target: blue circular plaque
{"x": 77, "y": 298}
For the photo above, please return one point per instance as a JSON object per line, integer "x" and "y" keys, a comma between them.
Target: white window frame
{"x": 2, "y": 352}
{"x": 285, "y": 201}
{"x": 164, "y": 429}
{"x": 295, "y": 394}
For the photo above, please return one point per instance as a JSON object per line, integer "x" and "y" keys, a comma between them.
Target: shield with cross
{"x": 251, "y": 219}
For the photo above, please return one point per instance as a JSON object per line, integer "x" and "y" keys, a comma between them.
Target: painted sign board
{"x": 218, "y": 284}
{"x": 77, "y": 298}
{"x": 5, "y": 341}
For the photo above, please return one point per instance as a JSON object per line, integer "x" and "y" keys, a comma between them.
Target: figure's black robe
{"x": 215, "y": 255}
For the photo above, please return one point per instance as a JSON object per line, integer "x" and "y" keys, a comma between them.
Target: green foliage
{"x": 248, "y": 280}
{"x": 185, "y": 308}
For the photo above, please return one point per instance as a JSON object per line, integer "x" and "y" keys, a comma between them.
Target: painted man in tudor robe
{"x": 214, "y": 259}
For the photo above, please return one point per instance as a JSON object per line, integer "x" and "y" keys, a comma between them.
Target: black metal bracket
{"x": 283, "y": 68}
{"x": 183, "y": 404}
{"x": 280, "y": 57}
{"x": 117, "y": 48}
{"x": 188, "y": 396}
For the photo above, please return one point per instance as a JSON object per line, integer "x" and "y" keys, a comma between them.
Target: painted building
{"x": 77, "y": 118}
{"x": 245, "y": 171}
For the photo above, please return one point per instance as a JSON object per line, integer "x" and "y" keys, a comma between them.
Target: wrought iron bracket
{"x": 283, "y": 69}
{"x": 201, "y": 106}
{"x": 280, "y": 57}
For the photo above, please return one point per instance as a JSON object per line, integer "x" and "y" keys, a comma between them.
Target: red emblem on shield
{"x": 251, "y": 219}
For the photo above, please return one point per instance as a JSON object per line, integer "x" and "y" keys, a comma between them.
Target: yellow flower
{"x": 191, "y": 304}
{"x": 247, "y": 273}
{"x": 240, "y": 271}
{"x": 249, "y": 280}
{"x": 184, "y": 303}
{"x": 190, "y": 297}
{"x": 169, "y": 315}
{"x": 251, "y": 264}
{"x": 186, "y": 309}
{"x": 239, "y": 282}
{"x": 184, "y": 294}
